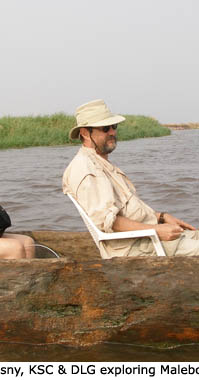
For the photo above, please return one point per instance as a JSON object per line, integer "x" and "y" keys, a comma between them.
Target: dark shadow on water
{"x": 106, "y": 352}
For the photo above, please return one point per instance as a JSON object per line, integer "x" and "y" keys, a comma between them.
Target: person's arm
{"x": 165, "y": 231}
{"x": 95, "y": 194}
{"x": 170, "y": 219}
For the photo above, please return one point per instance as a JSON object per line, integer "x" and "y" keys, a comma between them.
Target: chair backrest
{"x": 94, "y": 231}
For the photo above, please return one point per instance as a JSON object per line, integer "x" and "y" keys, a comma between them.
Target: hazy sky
{"x": 140, "y": 56}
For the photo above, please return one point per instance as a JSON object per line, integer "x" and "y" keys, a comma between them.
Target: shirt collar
{"x": 101, "y": 160}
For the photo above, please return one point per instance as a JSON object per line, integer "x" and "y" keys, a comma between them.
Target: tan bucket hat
{"x": 94, "y": 114}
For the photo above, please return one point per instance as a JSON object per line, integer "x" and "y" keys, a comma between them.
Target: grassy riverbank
{"x": 21, "y": 132}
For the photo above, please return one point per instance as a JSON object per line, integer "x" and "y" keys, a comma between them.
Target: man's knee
{"x": 189, "y": 247}
{"x": 28, "y": 241}
{"x": 15, "y": 250}
{"x": 29, "y": 246}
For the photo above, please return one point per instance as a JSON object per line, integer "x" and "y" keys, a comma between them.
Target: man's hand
{"x": 168, "y": 231}
{"x": 170, "y": 219}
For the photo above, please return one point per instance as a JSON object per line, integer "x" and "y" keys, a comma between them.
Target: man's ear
{"x": 84, "y": 133}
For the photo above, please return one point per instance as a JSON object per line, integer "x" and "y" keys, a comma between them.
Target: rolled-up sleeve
{"x": 95, "y": 195}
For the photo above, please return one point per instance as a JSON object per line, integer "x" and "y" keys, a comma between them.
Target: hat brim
{"x": 114, "y": 119}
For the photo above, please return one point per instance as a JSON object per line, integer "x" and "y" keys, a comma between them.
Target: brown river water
{"x": 165, "y": 173}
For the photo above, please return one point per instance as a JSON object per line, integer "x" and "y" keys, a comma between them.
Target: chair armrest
{"x": 127, "y": 234}
{"x": 136, "y": 234}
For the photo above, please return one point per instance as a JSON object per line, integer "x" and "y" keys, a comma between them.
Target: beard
{"x": 108, "y": 148}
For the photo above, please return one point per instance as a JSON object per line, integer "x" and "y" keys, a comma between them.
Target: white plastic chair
{"x": 98, "y": 235}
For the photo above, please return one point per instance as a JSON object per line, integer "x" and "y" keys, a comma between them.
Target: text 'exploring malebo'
{"x": 102, "y": 370}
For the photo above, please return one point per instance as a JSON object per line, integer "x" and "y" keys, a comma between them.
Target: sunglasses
{"x": 107, "y": 128}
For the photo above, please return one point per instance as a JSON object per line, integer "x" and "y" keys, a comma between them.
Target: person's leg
{"x": 11, "y": 249}
{"x": 25, "y": 241}
{"x": 189, "y": 244}
{"x": 29, "y": 246}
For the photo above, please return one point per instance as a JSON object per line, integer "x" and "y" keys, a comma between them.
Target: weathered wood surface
{"x": 73, "y": 245}
{"x": 76, "y": 302}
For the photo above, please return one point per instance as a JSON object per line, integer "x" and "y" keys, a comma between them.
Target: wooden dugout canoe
{"x": 80, "y": 299}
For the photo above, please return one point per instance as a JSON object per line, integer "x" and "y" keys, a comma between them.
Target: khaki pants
{"x": 186, "y": 245}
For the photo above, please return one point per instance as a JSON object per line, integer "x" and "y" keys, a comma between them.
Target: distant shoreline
{"x": 182, "y": 126}
{"x": 53, "y": 130}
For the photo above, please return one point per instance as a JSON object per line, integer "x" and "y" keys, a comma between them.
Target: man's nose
{"x": 112, "y": 131}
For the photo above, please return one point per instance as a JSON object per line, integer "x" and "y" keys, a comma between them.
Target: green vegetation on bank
{"x": 21, "y": 132}
{"x": 135, "y": 127}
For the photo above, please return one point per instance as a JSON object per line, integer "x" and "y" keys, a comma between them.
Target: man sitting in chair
{"x": 108, "y": 196}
